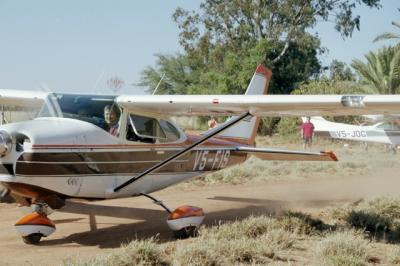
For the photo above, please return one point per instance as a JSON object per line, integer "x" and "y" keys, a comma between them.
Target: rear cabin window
{"x": 170, "y": 131}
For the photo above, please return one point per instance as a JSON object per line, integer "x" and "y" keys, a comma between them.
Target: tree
{"x": 389, "y": 35}
{"x": 185, "y": 75}
{"x": 382, "y": 69}
{"x": 225, "y": 40}
{"x": 177, "y": 79}
{"x": 239, "y": 23}
{"x": 339, "y": 71}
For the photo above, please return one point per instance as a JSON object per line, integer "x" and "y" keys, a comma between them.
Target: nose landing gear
{"x": 32, "y": 227}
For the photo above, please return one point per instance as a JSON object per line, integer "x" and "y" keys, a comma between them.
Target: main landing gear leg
{"x": 32, "y": 227}
{"x": 183, "y": 221}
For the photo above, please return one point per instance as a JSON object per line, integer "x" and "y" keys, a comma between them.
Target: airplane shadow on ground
{"x": 153, "y": 222}
{"x": 308, "y": 203}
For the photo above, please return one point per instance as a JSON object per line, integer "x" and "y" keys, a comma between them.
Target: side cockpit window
{"x": 170, "y": 130}
{"x": 144, "y": 129}
{"x": 393, "y": 126}
{"x": 150, "y": 130}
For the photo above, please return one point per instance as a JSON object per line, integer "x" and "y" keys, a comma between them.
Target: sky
{"x": 76, "y": 46}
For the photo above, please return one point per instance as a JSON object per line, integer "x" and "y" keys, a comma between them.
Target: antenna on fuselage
{"x": 158, "y": 84}
{"x": 94, "y": 89}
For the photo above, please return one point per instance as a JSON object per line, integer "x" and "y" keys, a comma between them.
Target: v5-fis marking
{"x": 211, "y": 160}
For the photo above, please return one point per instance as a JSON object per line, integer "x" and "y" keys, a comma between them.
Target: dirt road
{"x": 85, "y": 229}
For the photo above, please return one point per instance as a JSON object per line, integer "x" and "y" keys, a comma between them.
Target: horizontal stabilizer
{"x": 287, "y": 155}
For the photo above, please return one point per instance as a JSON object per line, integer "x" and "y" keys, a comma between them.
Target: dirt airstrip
{"x": 85, "y": 229}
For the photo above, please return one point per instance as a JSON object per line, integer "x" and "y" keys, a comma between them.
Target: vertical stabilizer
{"x": 245, "y": 132}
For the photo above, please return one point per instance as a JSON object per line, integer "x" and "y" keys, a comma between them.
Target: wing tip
{"x": 331, "y": 155}
{"x": 261, "y": 69}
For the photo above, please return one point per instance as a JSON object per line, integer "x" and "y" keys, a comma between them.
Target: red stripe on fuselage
{"x": 190, "y": 140}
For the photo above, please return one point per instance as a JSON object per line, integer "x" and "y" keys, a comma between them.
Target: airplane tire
{"x": 32, "y": 239}
{"x": 5, "y": 196}
{"x": 186, "y": 232}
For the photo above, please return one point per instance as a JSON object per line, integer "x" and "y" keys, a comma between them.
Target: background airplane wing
{"x": 16, "y": 100}
{"x": 262, "y": 105}
{"x": 273, "y": 154}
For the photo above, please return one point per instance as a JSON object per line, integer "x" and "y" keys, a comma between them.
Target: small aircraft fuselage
{"x": 67, "y": 151}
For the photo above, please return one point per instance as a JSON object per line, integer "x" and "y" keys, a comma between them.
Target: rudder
{"x": 246, "y": 130}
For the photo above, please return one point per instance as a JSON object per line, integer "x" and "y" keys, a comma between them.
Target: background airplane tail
{"x": 246, "y": 130}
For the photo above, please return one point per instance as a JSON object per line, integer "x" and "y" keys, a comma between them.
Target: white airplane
{"x": 75, "y": 149}
{"x": 383, "y": 132}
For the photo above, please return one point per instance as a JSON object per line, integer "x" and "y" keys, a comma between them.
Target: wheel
{"x": 32, "y": 239}
{"x": 5, "y": 196}
{"x": 186, "y": 232}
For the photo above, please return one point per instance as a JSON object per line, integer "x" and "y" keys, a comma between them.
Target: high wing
{"x": 262, "y": 105}
{"x": 275, "y": 154}
{"x": 16, "y": 100}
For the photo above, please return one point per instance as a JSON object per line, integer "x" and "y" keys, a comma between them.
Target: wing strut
{"x": 207, "y": 136}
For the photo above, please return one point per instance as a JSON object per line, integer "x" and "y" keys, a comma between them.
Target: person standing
{"x": 212, "y": 123}
{"x": 307, "y": 133}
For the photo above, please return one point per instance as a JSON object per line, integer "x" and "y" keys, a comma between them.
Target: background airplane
{"x": 387, "y": 132}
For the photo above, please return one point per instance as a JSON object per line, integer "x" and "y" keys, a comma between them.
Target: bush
{"x": 289, "y": 126}
{"x": 254, "y": 240}
{"x": 371, "y": 222}
{"x": 267, "y": 125}
{"x": 301, "y": 223}
{"x": 380, "y": 217}
{"x": 137, "y": 252}
{"x": 212, "y": 251}
{"x": 344, "y": 248}
{"x": 250, "y": 227}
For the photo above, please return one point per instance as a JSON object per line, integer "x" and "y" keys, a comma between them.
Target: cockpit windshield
{"x": 394, "y": 126}
{"x": 89, "y": 108}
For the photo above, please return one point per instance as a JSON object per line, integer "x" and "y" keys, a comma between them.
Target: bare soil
{"x": 85, "y": 229}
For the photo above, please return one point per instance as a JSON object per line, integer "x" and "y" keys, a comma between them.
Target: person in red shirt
{"x": 307, "y": 133}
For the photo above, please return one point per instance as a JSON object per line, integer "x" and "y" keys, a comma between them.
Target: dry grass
{"x": 137, "y": 252}
{"x": 394, "y": 255}
{"x": 343, "y": 248}
{"x": 213, "y": 251}
{"x": 254, "y": 240}
{"x": 288, "y": 239}
{"x": 379, "y": 217}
